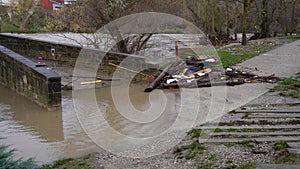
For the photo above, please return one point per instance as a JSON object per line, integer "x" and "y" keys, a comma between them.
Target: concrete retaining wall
{"x": 66, "y": 53}
{"x": 38, "y": 84}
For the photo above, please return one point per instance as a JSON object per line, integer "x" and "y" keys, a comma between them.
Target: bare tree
{"x": 22, "y": 10}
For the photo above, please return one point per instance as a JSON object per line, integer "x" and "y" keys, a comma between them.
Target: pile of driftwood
{"x": 203, "y": 71}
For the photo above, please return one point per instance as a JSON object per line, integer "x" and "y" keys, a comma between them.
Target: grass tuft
{"x": 289, "y": 88}
{"x": 7, "y": 160}
{"x": 81, "y": 163}
{"x": 237, "y": 54}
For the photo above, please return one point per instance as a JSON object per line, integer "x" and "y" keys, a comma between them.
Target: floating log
{"x": 154, "y": 84}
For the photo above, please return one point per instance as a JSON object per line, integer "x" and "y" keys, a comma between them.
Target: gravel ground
{"x": 215, "y": 155}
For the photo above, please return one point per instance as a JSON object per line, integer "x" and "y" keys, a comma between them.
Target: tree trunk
{"x": 293, "y": 22}
{"x": 265, "y": 24}
{"x": 205, "y": 17}
{"x": 24, "y": 22}
{"x": 227, "y": 18}
{"x": 245, "y": 16}
{"x": 213, "y": 21}
{"x": 236, "y": 21}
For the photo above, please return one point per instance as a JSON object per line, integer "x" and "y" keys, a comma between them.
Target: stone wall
{"x": 38, "y": 84}
{"x": 65, "y": 53}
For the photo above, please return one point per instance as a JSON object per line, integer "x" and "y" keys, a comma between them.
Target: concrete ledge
{"x": 67, "y": 53}
{"x": 38, "y": 84}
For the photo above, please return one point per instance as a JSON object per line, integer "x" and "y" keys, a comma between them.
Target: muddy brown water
{"x": 49, "y": 136}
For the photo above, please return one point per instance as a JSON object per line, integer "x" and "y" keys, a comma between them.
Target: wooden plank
{"x": 92, "y": 82}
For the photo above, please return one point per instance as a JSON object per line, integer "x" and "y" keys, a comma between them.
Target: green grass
{"x": 213, "y": 157}
{"x": 281, "y": 153}
{"x": 296, "y": 37}
{"x": 195, "y": 132}
{"x": 81, "y": 163}
{"x": 7, "y": 160}
{"x": 237, "y": 54}
{"x": 282, "y": 145}
{"x": 289, "y": 87}
{"x": 6, "y": 27}
{"x": 192, "y": 149}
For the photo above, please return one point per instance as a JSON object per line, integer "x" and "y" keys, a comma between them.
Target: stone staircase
{"x": 272, "y": 123}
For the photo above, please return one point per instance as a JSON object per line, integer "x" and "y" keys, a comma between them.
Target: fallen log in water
{"x": 154, "y": 84}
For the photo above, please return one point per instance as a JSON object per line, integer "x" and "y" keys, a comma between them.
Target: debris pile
{"x": 204, "y": 71}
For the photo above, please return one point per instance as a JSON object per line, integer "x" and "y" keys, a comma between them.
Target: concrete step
{"x": 297, "y": 126}
{"x": 260, "y": 139}
{"x": 294, "y": 144}
{"x": 284, "y": 104}
{"x": 277, "y": 166}
{"x": 261, "y": 121}
{"x": 256, "y": 134}
{"x": 294, "y": 150}
{"x": 267, "y": 110}
{"x": 273, "y": 115}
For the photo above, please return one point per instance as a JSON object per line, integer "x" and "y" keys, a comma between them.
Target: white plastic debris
{"x": 229, "y": 69}
{"x": 171, "y": 81}
{"x": 201, "y": 74}
{"x": 211, "y": 60}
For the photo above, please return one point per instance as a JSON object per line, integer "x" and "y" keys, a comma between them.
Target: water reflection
{"x": 49, "y": 136}
{"x": 35, "y": 132}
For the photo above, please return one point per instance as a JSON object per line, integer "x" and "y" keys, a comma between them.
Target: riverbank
{"x": 190, "y": 154}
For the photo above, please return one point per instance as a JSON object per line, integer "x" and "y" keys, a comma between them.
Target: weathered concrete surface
{"x": 283, "y": 61}
{"x": 38, "y": 84}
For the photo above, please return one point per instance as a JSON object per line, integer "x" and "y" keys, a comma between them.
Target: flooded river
{"x": 35, "y": 132}
{"x": 48, "y": 136}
